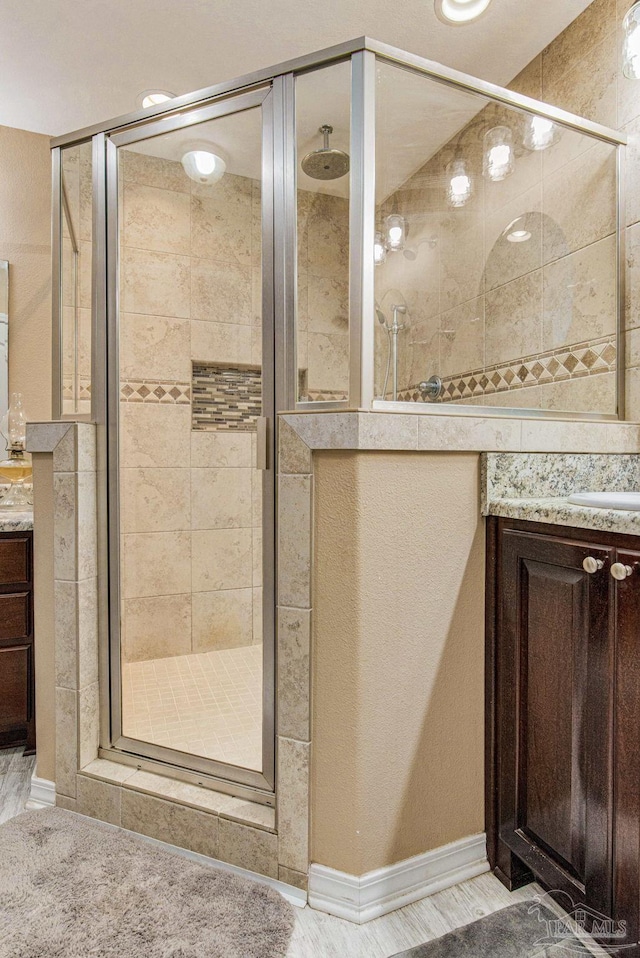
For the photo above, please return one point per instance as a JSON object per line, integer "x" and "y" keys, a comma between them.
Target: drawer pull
{"x": 620, "y": 571}
{"x": 592, "y": 565}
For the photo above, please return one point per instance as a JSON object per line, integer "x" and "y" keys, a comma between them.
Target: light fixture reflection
{"x": 499, "y": 156}
{"x": 516, "y": 231}
{"x": 379, "y": 249}
{"x": 396, "y": 232}
{"x": 154, "y": 98}
{"x": 540, "y": 133}
{"x": 203, "y": 166}
{"x": 631, "y": 48}
{"x": 460, "y": 186}
{"x": 458, "y": 12}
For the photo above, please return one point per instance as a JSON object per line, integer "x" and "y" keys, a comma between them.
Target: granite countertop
{"x": 536, "y": 487}
{"x": 14, "y": 521}
{"x": 560, "y": 511}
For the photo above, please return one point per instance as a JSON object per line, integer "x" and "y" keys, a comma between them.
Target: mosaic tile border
{"x": 226, "y": 397}
{"x": 68, "y": 392}
{"x": 558, "y": 365}
{"x": 155, "y": 392}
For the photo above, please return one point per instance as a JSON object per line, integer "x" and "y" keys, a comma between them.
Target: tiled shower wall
{"x": 515, "y": 324}
{"x": 191, "y": 500}
{"x": 191, "y": 302}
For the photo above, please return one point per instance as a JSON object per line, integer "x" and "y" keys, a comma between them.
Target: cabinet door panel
{"x": 555, "y": 626}
{"x": 14, "y": 617}
{"x": 15, "y": 560}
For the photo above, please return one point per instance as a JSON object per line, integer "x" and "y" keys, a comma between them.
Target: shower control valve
{"x": 432, "y": 388}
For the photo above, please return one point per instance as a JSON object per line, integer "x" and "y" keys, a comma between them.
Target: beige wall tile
{"x": 294, "y": 637}
{"x": 222, "y": 620}
{"x": 328, "y": 304}
{"x": 513, "y": 319}
{"x": 88, "y": 723}
{"x": 156, "y": 219}
{"x": 220, "y": 342}
{"x": 529, "y": 81}
{"x": 66, "y": 742}
{"x": 156, "y": 627}
{"x": 633, "y": 395}
{"x": 156, "y": 563}
{"x": 295, "y": 455}
{"x": 329, "y": 361}
{"x": 65, "y": 538}
{"x": 155, "y": 500}
{"x": 461, "y": 258}
{"x": 99, "y": 800}
{"x": 294, "y": 542}
{"x": 221, "y": 449}
{"x": 155, "y": 348}
{"x": 248, "y": 848}
{"x": 257, "y": 556}
{"x": 462, "y": 338}
{"x": 221, "y": 292}
{"x": 69, "y": 804}
{"x": 221, "y": 559}
{"x": 293, "y": 803}
{"x": 170, "y": 822}
{"x": 154, "y": 434}
{"x": 588, "y": 87}
{"x": 221, "y": 498}
{"x": 156, "y": 284}
{"x": 66, "y": 634}
{"x": 328, "y": 236}
{"x": 87, "y": 528}
{"x": 291, "y": 877}
{"x": 580, "y": 295}
{"x": 632, "y": 170}
{"x": 586, "y": 183}
{"x": 221, "y": 221}
{"x": 153, "y": 171}
{"x": 589, "y": 29}
{"x": 87, "y": 632}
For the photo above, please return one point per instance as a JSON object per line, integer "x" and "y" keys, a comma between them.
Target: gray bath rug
{"x": 72, "y": 888}
{"x": 525, "y": 930}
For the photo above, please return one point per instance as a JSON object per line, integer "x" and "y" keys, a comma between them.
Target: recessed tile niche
{"x": 226, "y": 397}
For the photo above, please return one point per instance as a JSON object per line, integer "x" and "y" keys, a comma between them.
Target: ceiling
{"x": 67, "y": 64}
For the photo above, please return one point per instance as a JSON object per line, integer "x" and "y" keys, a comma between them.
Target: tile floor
{"x": 207, "y": 703}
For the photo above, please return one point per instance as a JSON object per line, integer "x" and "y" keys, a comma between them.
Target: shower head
{"x": 326, "y": 164}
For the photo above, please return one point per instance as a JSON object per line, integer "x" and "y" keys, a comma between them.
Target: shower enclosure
{"x": 216, "y": 263}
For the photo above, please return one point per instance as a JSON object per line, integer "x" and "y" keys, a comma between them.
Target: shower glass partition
{"x": 451, "y": 234}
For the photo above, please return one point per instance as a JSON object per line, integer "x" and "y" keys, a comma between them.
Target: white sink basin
{"x": 607, "y": 500}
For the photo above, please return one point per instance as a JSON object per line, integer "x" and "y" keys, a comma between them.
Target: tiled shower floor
{"x": 207, "y": 703}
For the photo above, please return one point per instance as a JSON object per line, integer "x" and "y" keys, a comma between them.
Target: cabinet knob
{"x": 592, "y": 565}
{"x": 620, "y": 571}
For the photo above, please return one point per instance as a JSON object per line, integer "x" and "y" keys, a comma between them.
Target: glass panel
{"x": 4, "y": 338}
{"x": 496, "y": 253}
{"x": 77, "y": 251}
{"x": 323, "y": 130}
{"x": 190, "y": 396}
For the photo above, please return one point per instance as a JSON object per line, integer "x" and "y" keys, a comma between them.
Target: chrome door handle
{"x": 620, "y": 571}
{"x": 262, "y": 444}
{"x": 592, "y": 565}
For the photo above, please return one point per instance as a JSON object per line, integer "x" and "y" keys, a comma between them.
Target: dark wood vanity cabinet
{"x": 563, "y": 716}
{"x": 17, "y": 674}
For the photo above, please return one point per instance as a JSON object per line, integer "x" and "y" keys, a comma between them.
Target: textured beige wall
{"x": 44, "y": 615}
{"x": 25, "y": 241}
{"x": 398, "y": 656}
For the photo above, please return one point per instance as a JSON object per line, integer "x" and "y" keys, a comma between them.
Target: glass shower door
{"x": 193, "y": 644}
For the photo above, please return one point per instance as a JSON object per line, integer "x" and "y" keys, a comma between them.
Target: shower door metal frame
{"x": 260, "y": 785}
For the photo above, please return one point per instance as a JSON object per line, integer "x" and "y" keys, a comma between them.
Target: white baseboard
{"x": 42, "y": 793}
{"x": 359, "y": 898}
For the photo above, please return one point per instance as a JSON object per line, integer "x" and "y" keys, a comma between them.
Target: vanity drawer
{"x": 15, "y": 560}
{"x": 15, "y": 616}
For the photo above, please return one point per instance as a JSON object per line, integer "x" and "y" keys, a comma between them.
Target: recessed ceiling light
{"x": 203, "y": 165}
{"x": 519, "y": 236}
{"x": 154, "y": 98}
{"x": 458, "y": 12}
